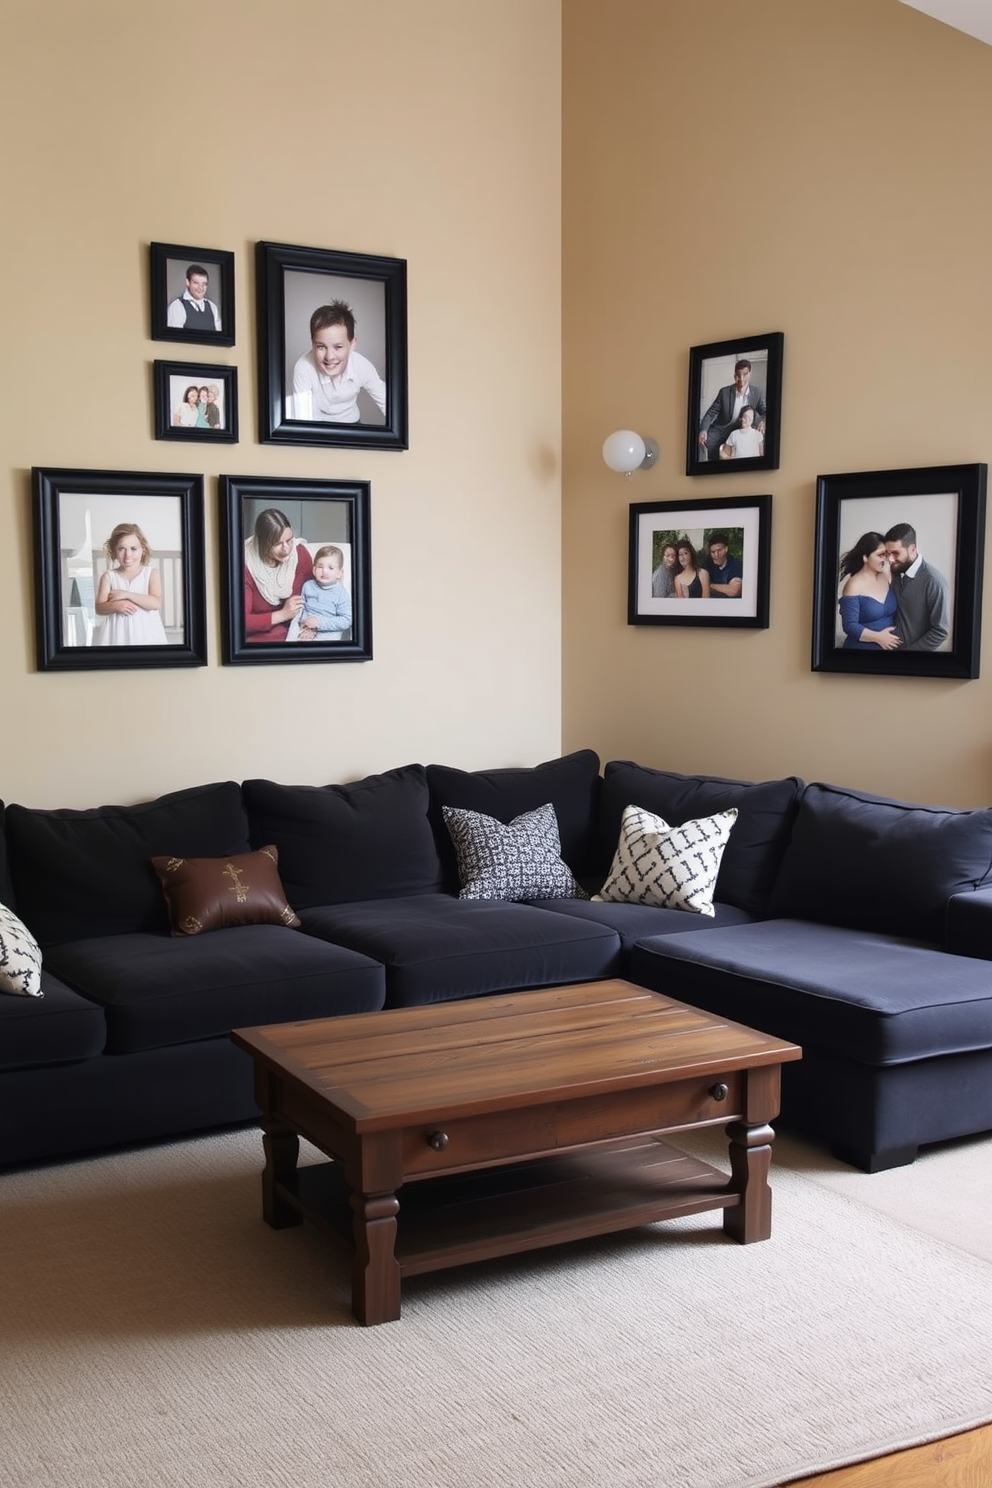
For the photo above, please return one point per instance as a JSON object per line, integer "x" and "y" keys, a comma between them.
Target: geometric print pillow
{"x": 519, "y": 861}
{"x": 20, "y": 957}
{"x": 674, "y": 867}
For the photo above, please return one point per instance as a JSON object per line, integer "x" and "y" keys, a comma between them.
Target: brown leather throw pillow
{"x": 218, "y": 893}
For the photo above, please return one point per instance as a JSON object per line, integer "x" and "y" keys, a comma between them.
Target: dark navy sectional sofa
{"x": 859, "y": 927}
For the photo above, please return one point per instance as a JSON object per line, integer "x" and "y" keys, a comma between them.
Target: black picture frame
{"x": 320, "y": 514}
{"x": 173, "y": 381}
{"x": 169, "y": 266}
{"x": 712, "y": 371}
{"x": 292, "y": 284}
{"x": 75, "y": 514}
{"x": 746, "y": 522}
{"x": 945, "y": 506}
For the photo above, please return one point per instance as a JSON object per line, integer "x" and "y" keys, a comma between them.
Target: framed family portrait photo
{"x": 119, "y": 569}
{"x": 735, "y": 405}
{"x": 192, "y": 294}
{"x": 332, "y": 348}
{"x": 196, "y": 401}
{"x": 700, "y": 562}
{"x": 297, "y": 570}
{"x": 898, "y": 578}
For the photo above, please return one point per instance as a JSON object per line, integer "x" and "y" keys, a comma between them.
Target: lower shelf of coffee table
{"x": 497, "y": 1211}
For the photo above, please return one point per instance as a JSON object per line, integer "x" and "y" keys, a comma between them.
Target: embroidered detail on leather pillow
{"x": 673, "y": 867}
{"x": 518, "y": 861}
{"x": 20, "y": 957}
{"x": 218, "y": 893}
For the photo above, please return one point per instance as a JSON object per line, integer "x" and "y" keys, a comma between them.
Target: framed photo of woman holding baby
{"x": 297, "y": 571}
{"x": 332, "y": 348}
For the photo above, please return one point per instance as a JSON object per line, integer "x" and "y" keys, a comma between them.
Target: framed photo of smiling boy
{"x": 332, "y": 343}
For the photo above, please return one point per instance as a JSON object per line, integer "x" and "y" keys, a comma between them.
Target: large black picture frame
{"x": 75, "y": 514}
{"x": 320, "y": 514}
{"x": 746, "y": 522}
{"x": 292, "y": 284}
{"x": 945, "y": 506}
{"x": 711, "y": 393}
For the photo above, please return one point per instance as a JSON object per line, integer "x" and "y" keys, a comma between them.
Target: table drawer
{"x": 502, "y": 1136}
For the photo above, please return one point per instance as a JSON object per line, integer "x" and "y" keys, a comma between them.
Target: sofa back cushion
{"x": 339, "y": 844}
{"x": 570, "y": 784}
{"x": 765, "y": 813}
{"x": 872, "y": 863}
{"x": 80, "y": 874}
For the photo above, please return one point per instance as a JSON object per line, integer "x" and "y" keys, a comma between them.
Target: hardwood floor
{"x": 956, "y": 1462}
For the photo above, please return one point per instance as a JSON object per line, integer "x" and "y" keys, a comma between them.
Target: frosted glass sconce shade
{"x": 625, "y": 451}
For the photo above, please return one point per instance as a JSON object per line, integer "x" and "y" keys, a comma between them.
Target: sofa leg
{"x": 876, "y": 1162}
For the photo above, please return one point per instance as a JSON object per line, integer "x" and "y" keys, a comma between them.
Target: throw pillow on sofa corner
{"x": 20, "y": 957}
{"x": 512, "y": 861}
{"x": 670, "y": 867}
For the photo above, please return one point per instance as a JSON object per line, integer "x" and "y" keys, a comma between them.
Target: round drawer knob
{"x": 438, "y": 1140}
{"x": 718, "y": 1092}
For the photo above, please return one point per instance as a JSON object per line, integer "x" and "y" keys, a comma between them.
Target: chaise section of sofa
{"x": 859, "y": 961}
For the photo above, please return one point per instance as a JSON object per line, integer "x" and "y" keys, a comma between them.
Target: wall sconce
{"x": 625, "y": 452}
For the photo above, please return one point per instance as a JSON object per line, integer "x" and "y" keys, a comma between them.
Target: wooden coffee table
{"x": 509, "y": 1123}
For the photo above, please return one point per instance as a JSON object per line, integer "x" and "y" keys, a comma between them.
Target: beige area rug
{"x": 155, "y": 1333}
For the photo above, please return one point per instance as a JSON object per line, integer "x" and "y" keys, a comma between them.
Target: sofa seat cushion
{"x": 82, "y": 873}
{"x": 765, "y": 813}
{"x": 571, "y": 784}
{"x": 337, "y": 844}
{"x": 59, "y": 1027}
{"x": 877, "y": 864}
{"x": 634, "y": 922}
{"x": 157, "y": 991}
{"x": 436, "y": 948}
{"x": 876, "y": 999}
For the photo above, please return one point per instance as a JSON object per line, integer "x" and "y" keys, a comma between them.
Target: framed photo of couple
{"x": 332, "y": 348}
{"x": 700, "y": 562}
{"x": 297, "y": 570}
{"x": 898, "y": 577}
{"x": 735, "y": 405}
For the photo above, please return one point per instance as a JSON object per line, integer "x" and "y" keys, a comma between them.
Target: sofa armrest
{"x": 969, "y": 924}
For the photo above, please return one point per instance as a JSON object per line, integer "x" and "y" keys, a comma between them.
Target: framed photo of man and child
{"x": 196, "y": 401}
{"x": 119, "y": 569}
{"x": 735, "y": 405}
{"x": 700, "y": 562}
{"x": 332, "y": 348}
{"x": 297, "y": 570}
{"x": 898, "y": 575}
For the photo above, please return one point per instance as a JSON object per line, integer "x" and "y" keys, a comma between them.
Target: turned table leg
{"x": 750, "y": 1161}
{"x": 375, "y": 1275}
{"x": 282, "y": 1149}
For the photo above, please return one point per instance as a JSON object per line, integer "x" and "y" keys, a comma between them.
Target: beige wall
{"x": 796, "y": 165}
{"x": 427, "y": 131}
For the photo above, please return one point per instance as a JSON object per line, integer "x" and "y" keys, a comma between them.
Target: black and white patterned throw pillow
{"x": 515, "y": 862}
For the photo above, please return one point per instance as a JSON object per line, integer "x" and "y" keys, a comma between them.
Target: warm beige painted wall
{"x": 810, "y": 167}
{"x": 428, "y": 131}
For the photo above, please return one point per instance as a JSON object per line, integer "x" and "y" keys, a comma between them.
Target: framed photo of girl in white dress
{"x": 119, "y": 569}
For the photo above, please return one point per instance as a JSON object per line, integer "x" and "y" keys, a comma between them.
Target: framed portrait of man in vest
{"x": 192, "y": 294}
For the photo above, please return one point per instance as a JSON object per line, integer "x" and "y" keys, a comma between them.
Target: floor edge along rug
{"x": 156, "y": 1334}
